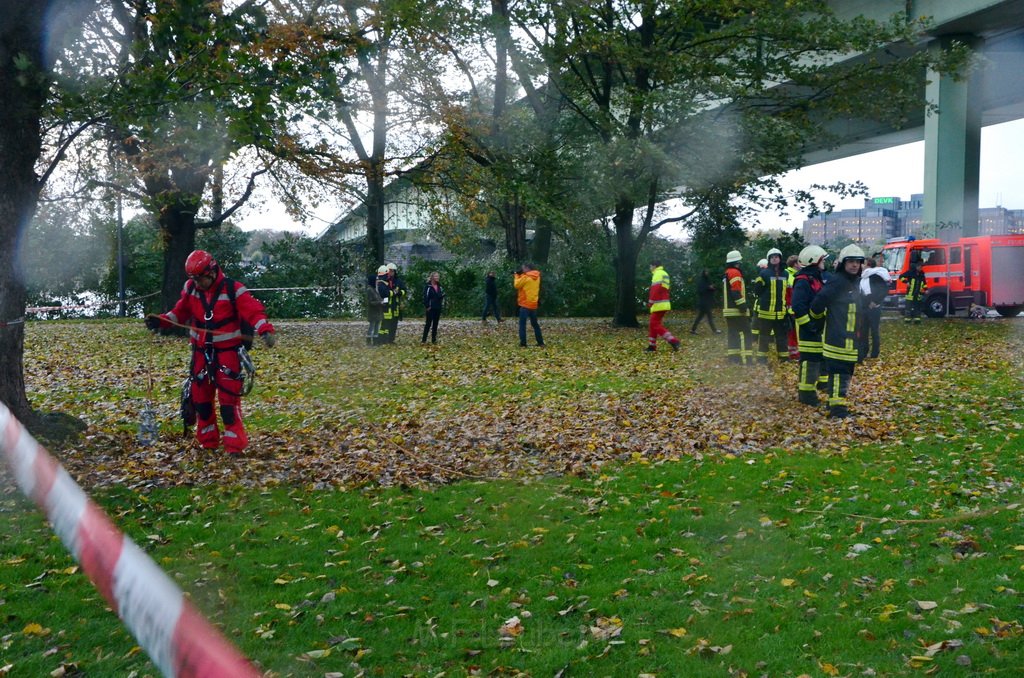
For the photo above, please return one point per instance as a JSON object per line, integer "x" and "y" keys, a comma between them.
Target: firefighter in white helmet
{"x": 807, "y": 283}
{"x": 770, "y": 287}
{"x": 735, "y": 310}
{"x": 839, "y": 302}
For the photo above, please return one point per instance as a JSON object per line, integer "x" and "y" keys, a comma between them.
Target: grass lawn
{"x": 474, "y": 508}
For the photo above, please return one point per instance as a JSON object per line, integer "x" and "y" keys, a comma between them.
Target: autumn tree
{"x": 356, "y": 125}
{"x": 32, "y": 35}
{"x": 688, "y": 98}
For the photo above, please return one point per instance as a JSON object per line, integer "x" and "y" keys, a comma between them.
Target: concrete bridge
{"x": 992, "y": 93}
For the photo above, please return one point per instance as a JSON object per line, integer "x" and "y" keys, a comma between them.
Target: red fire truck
{"x": 986, "y": 270}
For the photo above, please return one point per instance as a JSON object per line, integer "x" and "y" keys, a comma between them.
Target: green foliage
{"x": 299, "y": 261}
{"x": 63, "y": 256}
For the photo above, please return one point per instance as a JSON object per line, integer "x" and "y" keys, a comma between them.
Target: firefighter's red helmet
{"x": 200, "y": 262}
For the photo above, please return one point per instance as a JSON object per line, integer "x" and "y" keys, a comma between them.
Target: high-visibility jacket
{"x": 734, "y": 293}
{"x": 771, "y": 285}
{"x": 658, "y": 298}
{"x": 528, "y": 287}
{"x": 806, "y": 285}
{"x": 839, "y": 301}
{"x": 916, "y": 284}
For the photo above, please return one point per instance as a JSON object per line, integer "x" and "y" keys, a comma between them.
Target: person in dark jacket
{"x": 807, "y": 283}
{"x": 491, "y": 297}
{"x": 705, "y": 290}
{"x": 838, "y": 303}
{"x": 916, "y": 287}
{"x": 433, "y": 299}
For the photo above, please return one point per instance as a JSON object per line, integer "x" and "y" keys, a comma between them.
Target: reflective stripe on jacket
{"x": 658, "y": 298}
{"x": 734, "y": 293}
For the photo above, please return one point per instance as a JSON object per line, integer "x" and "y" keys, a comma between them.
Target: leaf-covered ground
{"x": 329, "y": 411}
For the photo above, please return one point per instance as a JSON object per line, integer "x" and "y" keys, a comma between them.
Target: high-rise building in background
{"x": 887, "y": 217}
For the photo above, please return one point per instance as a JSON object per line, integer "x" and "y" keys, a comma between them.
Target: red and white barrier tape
{"x": 179, "y": 640}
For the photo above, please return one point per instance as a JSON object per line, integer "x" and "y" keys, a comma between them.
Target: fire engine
{"x": 986, "y": 270}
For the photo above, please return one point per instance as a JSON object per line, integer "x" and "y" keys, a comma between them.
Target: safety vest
{"x": 734, "y": 293}
{"x": 772, "y": 294}
{"x": 658, "y": 299}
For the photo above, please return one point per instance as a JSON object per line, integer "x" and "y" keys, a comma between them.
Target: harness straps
{"x": 210, "y": 351}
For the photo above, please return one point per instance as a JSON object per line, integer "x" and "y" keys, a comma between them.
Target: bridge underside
{"x": 992, "y": 93}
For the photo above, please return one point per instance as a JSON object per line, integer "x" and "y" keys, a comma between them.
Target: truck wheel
{"x": 1009, "y": 311}
{"x": 935, "y": 306}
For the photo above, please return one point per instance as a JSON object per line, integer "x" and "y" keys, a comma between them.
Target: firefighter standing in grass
{"x": 791, "y": 342}
{"x": 734, "y": 309}
{"x": 839, "y": 302}
{"x": 214, "y": 306}
{"x": 659, "y": 304}
{"x": 755, "y": 322}
{"x": 806, "y": 285}
{"x": 770, "y": 286}
{"x": 916, "y": 287}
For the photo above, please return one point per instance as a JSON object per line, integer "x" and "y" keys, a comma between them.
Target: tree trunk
{"x": 541, "y": 246}
{"x": 178, "y": 228}
{"x": 515, "y": 230}
{"x": 22, "y": 93}
{"x": 625, "y": 265}
{"x": 375, "y": 216}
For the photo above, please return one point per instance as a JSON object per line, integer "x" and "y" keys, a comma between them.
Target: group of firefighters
{"x": 827, "y": 321}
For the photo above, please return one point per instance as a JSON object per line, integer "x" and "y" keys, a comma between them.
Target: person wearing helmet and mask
{"x": 839, "y": 302}
{"x": 214, "y": 307}
{"x": 735, "y": 310}
{"x": 377, "y": 299}
{"x": 807, "y": 283}
{"x": 770, "y": 287}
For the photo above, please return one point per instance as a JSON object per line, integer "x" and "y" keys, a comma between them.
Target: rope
{"x": 190, "y": 328}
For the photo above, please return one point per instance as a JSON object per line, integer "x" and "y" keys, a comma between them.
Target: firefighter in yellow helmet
{"x": 839, "y": 303}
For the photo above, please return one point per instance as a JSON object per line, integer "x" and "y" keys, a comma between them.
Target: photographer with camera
{"x": 527, "y": 284}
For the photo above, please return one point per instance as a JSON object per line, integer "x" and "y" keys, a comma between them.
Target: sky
{"x": 897, "y": 171}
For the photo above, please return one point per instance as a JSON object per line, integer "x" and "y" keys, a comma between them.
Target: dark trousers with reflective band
{"x": 914, "y": 310}
{"x": 764, "y": 341}
{"x": 738, "y": 338}
{"x": 840, "y": 374}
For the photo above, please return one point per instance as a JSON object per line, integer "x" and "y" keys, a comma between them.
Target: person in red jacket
{"x": 658, "y": 301}
{"x": 213, "y": 307}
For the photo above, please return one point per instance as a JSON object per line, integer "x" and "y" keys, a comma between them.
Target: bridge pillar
{"x": 952, "y": 151}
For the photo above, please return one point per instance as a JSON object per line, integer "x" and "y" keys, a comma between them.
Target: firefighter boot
{"x": 838, "y": 412}
{"x": 808, "y": 398}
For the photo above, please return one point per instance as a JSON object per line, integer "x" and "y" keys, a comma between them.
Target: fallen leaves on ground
{"x": 328, "y": 411}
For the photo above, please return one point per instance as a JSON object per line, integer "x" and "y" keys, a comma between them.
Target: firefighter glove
{"x": 269, "y": 339}
{"x": 152, "y": 323}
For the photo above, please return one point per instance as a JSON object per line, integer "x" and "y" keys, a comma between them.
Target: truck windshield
{"x": 894, "y": 257}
